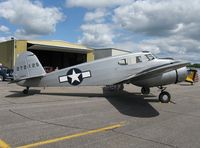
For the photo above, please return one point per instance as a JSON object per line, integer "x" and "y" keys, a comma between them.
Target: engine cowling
{"x": 166, "y": 78}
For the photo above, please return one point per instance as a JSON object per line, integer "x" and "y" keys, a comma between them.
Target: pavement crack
{"x": 45, "y": 122}
{"x": 34, "y": 102}
{"x": 10, "y": 102}
{"x": 146, "y": 139}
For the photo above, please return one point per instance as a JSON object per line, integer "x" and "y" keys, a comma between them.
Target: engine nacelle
{"x": 170, "y": 77}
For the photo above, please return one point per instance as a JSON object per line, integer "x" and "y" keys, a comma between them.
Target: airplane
{"x": 142, "y": 69}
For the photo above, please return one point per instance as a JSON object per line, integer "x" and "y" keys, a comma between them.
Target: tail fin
{"x": 28, "y": 66}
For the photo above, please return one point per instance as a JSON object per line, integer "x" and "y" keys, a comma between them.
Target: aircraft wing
{"x": 148, "y": 73}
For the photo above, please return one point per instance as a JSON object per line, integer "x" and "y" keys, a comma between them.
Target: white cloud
{"x": 126, "y": 45}
{"x": 32, "y": 17}
{"x": 5, "y": 38}
{"x": 96, "y": 16}
{"x": 137, "y": 47}
{"x": 96, "y": 35}
{"x": 23, "y": 34}
{"x": 175, "y": 46}
{"x": 4, "y": 29}
{"x": 95, "y": 3}
{"x": 170, "y": 28}
{"x": 96, "y": 31}
{"x": 160, "y": 18}
{"x": 166, "y": 28}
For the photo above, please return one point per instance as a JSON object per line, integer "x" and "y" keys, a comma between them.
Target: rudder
{"x": 28, "y": 66}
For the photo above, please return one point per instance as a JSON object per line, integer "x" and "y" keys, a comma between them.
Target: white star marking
{"x": 74, "y": 76}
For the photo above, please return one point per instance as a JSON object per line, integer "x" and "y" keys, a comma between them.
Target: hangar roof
{"x": 57, "y": 45}
{"x": 123, "y": 50}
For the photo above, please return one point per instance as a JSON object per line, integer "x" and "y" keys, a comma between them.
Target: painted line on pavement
{"x": 3, "y": 144}
{"x": 73, "y": 135}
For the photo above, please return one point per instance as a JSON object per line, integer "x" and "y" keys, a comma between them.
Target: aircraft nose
{"x": 182, "y": 74}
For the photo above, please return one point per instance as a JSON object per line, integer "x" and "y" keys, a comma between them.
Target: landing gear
{"x": 25, "y": 91}
{"x": 145, "y": 90}
{"x": 121, "y": 87}
{"x": 116, "y": 87}
{"x": 164, "y": 96}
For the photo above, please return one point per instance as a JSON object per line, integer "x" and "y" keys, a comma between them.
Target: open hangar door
{"x": 58, "y": 57}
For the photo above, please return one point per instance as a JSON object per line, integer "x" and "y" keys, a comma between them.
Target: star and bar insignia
{"x": 74, "y": 76}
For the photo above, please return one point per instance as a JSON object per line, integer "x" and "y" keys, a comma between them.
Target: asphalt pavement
{"x": 92, "y": 117}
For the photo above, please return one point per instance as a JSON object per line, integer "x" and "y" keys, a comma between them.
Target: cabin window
{"x": 17, "y": 68}
{"x": 138, "y": 59}
{"x": 122, "y": 62}
{"x": 24, "y": 66}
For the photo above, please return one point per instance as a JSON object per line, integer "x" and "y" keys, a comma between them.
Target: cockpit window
{"x": 150, "y": 57}
{"x": 138, "y": 59}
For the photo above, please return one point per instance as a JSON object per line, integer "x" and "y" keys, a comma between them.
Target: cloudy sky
{"x": 168, "y": 28}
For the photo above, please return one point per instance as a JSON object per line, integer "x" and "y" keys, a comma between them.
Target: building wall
{"x": 20, "y": 46}
{"x": 102, "y": 53}
{"x": 6, "y": 53}
{"x": 118, "y": 52}
{"x": 90, "y": 56}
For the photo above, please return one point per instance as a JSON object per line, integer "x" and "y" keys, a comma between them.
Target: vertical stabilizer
{"x": 28, "y": 66}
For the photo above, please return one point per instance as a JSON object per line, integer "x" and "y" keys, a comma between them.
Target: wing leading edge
{"x": 156, "y": 70}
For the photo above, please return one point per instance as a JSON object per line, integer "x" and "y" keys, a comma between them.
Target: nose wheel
{"x": 164, "y": 96}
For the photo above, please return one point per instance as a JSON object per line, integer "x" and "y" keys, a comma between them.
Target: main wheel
{"x": 164, "y": 97}
{"x": 145, "y": 90}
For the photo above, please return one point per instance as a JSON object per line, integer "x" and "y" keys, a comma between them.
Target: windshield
{"x": 150, "y": 57}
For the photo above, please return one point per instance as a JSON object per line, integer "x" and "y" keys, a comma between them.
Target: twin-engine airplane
{"x": 141, "y": 69}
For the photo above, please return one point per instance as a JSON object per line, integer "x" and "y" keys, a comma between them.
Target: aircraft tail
{"x": 28, "y": 66}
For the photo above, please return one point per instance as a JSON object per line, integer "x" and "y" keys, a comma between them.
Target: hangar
{"x": 56, "y": 54}
{"x": 107, "y": 52}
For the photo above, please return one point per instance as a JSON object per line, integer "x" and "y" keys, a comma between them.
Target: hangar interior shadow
{"x": 130, "y": 104}
{"x": 59, "y": 59}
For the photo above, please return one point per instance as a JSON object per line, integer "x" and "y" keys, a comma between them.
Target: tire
{"x": 145, "y": 90}
{"x": 25, "y": 91}
{"x": 164, "y": 97}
